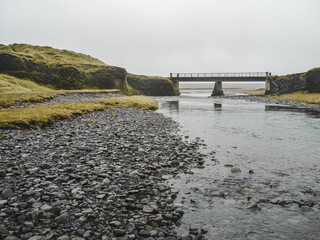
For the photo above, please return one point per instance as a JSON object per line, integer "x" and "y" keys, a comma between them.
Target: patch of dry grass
{"x": 310, "y": 98}
{"x": 41, "y": 116}
{"x": 12, "y": 99}
{"x": 247, "y": 91}
{"x": 15, "y": 90}
{"x": 138, "y": 102}
{"x": 37, "y": 117}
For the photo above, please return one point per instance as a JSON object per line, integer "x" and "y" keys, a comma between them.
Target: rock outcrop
{"x": 286, "y": 84}
{"x": 313, "y": 80}
{"x": 152, "y": 86}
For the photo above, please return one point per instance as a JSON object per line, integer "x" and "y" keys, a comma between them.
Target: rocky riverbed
{"x": 100, "y": 176}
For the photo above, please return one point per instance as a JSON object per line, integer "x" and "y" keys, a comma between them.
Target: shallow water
{"x": 280, "y": 199}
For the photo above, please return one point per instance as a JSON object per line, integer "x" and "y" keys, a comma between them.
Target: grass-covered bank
{"x": 301, "y": 96}
{"x": 304, "y": 97}
{"x": 37, "y": 117}
{"x": 15, "y": 90}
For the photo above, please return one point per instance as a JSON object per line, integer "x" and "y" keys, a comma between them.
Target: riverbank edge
{"x": 309, "y": 100}
{"x": 41, "y": 116}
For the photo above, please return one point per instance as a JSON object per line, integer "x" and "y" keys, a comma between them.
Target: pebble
{"x": 119, "y": 232}
{"x": 62, "y": 218}
{"x": 7, "y": 193}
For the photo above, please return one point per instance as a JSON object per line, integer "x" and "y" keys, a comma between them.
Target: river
{"x": 277, "y": 193}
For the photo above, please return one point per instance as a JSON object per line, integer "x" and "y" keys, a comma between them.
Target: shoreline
{"x": 276, "y": 101}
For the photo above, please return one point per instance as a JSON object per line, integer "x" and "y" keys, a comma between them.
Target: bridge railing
{"x": 230, "y": 74}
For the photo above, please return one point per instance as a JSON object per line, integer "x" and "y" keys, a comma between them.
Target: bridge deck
{"x": 228, "y": 77}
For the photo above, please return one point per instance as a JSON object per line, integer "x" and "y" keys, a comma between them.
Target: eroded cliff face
{"x": 151, "y": 86}
{"x": 286, "y": 84}
{"x": 60, "y": 68}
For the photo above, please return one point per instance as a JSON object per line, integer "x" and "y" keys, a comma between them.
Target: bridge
{"x": 218, "y": 78}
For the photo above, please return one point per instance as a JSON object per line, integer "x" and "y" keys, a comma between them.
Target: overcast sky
{"x": 156, "y": 37}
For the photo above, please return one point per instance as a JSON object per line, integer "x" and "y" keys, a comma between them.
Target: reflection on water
{"x": 217, "y": 106}
{"x": 170, "y": 105}
{"x": 277, "y": 193}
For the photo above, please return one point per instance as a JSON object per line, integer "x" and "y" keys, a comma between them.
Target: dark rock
{"x": 62, "y": 218}
{"x": 144, "y": 233}
{"x": 7, "y": 193}
{"x": 187, "y": 238}
{"x": 3, "y": 229}
{"x": 119, "y": 232}
{"x": 28, "y": 225}
{"x": 2, "y": 173}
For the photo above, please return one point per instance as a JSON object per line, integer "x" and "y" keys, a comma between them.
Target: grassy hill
{"x": 63, "y": 69}
{"x": 60, "y": 68}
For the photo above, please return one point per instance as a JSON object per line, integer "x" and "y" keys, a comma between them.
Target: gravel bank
{"x": 70, "y": 98}
{"x": 101, "y": 176}
{"x": 270, "y": 100}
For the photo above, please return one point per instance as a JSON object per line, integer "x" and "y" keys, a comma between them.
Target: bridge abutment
{"x": 217, "y": 89}
{"x": 175, "y": 83}
{"x": 269, "y": 85}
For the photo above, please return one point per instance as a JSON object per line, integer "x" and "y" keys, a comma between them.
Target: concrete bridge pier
{"x": 217, "y": 89}
{"x": 175, "y": 87}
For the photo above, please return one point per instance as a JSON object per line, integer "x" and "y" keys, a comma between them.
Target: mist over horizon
{"x": 158, "y": 37}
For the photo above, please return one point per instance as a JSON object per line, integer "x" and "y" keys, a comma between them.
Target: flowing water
{"x": 279, "y": 198}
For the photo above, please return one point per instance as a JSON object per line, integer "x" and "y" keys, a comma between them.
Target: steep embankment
{"x": 69, "y": 70}
{"x": 308, "y": 81}
{"x": 153, "y": 86}
{"x": 287, "y": 83}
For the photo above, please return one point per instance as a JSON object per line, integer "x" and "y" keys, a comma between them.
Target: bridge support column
{"x": 175, "y": 87}
{"x": 217, "y": 89}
